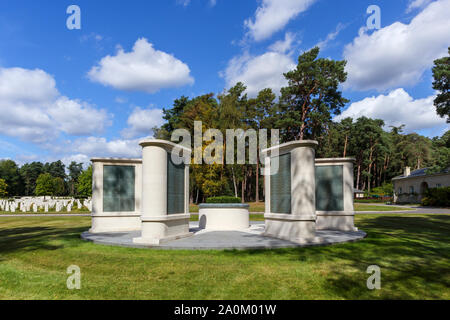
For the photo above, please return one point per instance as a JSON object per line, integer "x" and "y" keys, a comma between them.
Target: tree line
{"x": 303, "y": 110}
{"x": 44, "y": 179}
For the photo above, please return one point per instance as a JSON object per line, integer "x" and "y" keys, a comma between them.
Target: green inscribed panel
{"x": 118, "y": 188}
{"x": 175, "y": 187}
{"x": 280, "y": 185}
{"x": 329, "y": 188}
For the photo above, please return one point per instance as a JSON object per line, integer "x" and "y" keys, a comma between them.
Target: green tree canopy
{"x": 45, "y": 185}
{"x": 75, "y": 169}
{"x": 9, "y": 171}
{"x": 84, "y": 186}
{"x": 441, "y": 75}
{"x": 312, "y": 96}
{"x": 30, "y": 172}
{"x": 3, "y": 188}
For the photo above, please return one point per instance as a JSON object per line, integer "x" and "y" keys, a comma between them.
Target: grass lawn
{"x": 254, "y": 207}
{"x": 259, "y": 207}
{"x": 371, "y": 207}
{"x": 413, "y": 252}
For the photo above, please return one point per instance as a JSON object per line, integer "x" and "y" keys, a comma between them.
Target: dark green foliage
{"x": 75, "y": 170}
{"x": 312, "y": 96}
{"x": 3, "y": 189}
{"x": 441, "y": 74}
{"x": 56, "y": 169}
{"x": 436, "y": 197}
{"x": 84, "y": 187}
{"x": 9, "y": 171}
{"x": 45, "y": 185}
{"x": 30, "y": 172}
{"x": 223, "y": 199}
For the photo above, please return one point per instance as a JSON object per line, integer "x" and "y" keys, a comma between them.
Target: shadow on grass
{"x": 38, "y": 238}
{"x": 413, "y": 253}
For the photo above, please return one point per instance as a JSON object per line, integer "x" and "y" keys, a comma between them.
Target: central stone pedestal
{"x": 224, "y": 216}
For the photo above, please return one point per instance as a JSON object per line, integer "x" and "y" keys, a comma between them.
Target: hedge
{"x": 437, "y": 197}
{"x": 224, "y": 199}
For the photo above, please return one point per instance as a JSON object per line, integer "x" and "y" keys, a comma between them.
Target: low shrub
{"x": 436, "y": 197}
{"x": 223, "y": 199}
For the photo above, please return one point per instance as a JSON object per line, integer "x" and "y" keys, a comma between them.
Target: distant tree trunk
{"x": 257, "y": 179}
{"x": 345, "y": 145}
{"x": 234, "y": 183}
{"x": 358, "y": 175}
{"x": 244, "y": 177}
{"x": 264, "y": 187}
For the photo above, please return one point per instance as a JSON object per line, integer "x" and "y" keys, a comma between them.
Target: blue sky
{"x": 74, "y": 94}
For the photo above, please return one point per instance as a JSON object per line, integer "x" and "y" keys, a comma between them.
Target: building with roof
{"x": 412, "y": 185}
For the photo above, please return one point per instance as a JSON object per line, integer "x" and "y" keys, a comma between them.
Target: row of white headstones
{"x": 34, "y": 204}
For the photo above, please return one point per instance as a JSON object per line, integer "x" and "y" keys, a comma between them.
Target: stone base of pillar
{"x": 298, "y": 229}
{"x": 115, "y": 222}
{"x": 336, "y": 220}
{"x": 159, "y": 229}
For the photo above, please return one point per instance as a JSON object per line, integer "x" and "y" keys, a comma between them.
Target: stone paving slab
{"x": 224, "y": 240}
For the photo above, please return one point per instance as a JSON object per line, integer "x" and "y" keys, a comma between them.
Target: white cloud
{"x": 416, "y": 4}
{"x": 142, "y": 69}
{"x": 330, "y": 37}
{"x": 273, "y": 15}
{"x": 121, "y": 100}
{"x": 397, "y": 108}
{"x": 262, "y": 71}
{"x": 259, "y": 72}
{"x": 77, "y": 118}
{"x": 78, "y": 158}
{"x": 398, "y": 55}
{"x": 141, "y": 122}
{"x": 282, "y": 46}
{"x": 33, "y": 110}
{"x": 100, "y": 147}
{"x": 184, "y": 3}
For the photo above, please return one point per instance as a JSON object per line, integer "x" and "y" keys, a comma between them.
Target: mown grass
{"x": 259, "y": 207}
{"x": 413, "y": 252}
{"x": 254, "y": 207}
{"x": 371, "y": 207}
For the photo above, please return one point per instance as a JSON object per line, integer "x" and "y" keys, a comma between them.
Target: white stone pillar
{"x": 157, "y": 224}
{"x": 298, "y": 225}
{"x": 116, "y": 221}
{"x": 342, "y": 220}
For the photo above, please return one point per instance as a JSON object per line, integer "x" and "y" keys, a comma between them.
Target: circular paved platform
{"x": 250, "y": 238}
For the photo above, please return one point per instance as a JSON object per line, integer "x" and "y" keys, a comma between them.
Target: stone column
{"x": 114, "y": 221}
{"x": 157, "y": 225}
{"x": 341, "y": 219}
{"x": 299, "y": 224}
